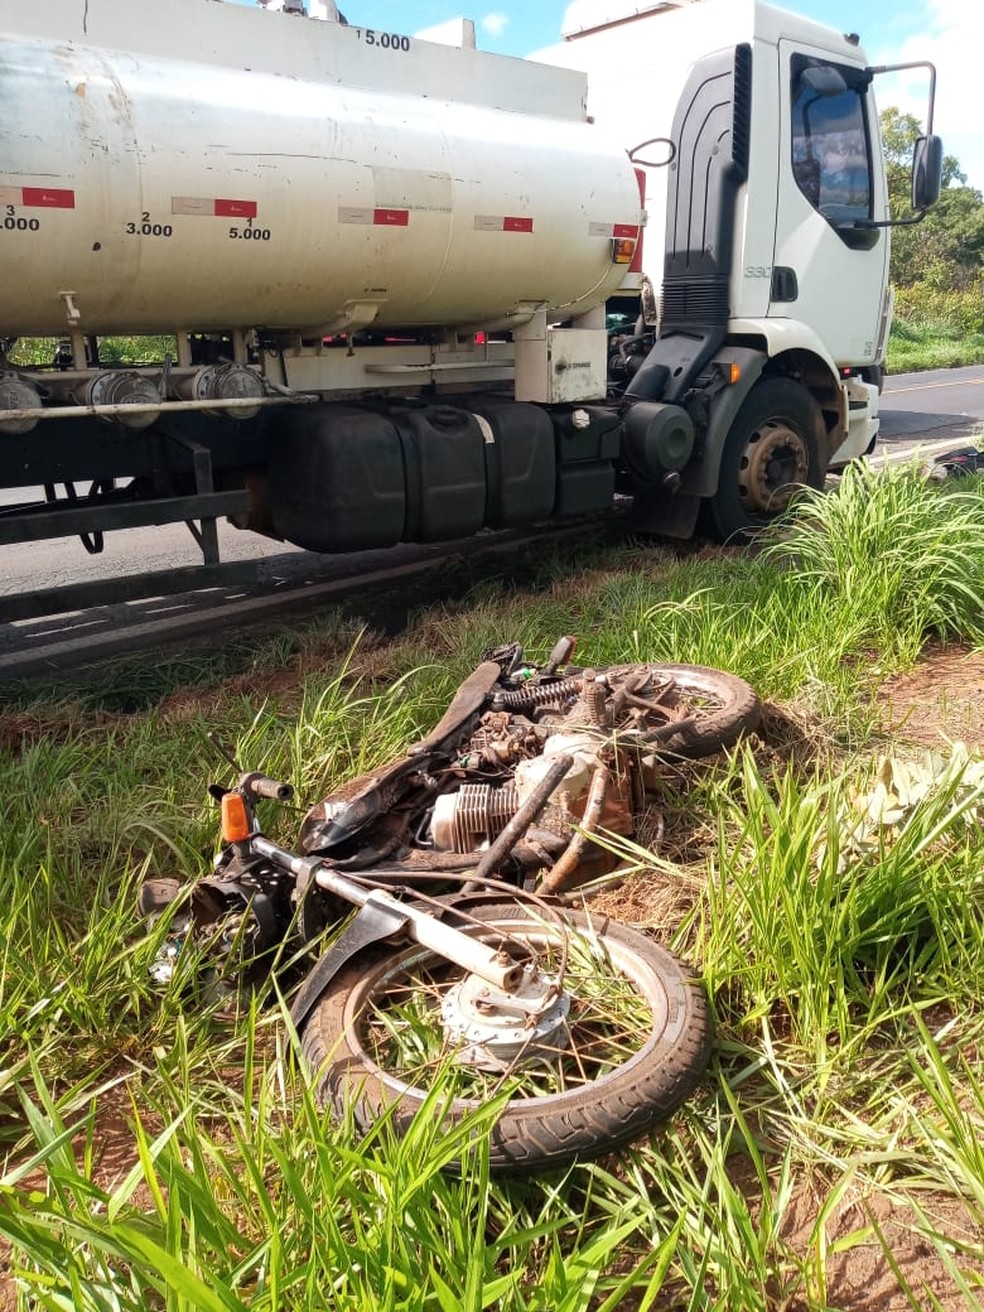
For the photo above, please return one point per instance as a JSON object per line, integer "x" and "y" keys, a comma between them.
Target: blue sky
{"x": 531, "y": 24}
{"x": 948, "y": 32}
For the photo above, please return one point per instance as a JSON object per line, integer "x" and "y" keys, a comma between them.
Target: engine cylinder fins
{"x": 475, "y": 814}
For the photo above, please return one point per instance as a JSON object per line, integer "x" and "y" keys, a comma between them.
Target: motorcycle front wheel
{"x": 633, "y": 1046}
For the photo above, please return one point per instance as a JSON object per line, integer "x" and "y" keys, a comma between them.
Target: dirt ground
{"x": 859, "y": 1277}
{"x": 939, "y": 702}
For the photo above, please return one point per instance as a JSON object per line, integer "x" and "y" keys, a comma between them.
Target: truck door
{"x": 827, "y": 272}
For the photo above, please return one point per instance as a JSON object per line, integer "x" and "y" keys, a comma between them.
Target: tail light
{"x": 623, "y": 250}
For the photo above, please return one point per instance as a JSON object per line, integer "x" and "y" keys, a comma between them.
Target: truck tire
{"x": 777, "y": 444}
{"x": 638, "y": 1028}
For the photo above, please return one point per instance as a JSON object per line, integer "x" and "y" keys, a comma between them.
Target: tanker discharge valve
{"x": 118, "y": 389}
{"x": 224, "y": 382}
{"x": 17, "y": 393}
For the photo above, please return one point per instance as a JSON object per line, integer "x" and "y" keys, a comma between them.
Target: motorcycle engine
{"x": 472, "y": 816}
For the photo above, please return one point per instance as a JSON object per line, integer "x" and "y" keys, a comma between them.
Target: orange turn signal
{"x": 734, "y": 374}
{"x": 235, "y": 819}
{"x": 623, "y": 250}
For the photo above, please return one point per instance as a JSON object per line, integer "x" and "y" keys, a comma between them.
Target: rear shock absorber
{"x": 541, "y": 694}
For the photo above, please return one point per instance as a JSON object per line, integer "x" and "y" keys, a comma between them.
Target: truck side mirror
{"x": 927, "y": 172}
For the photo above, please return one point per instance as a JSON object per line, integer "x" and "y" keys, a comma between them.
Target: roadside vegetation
{"x": 936, "y": 264}
{"x": 825, "y": 881}
{"x": 921, "y": 341}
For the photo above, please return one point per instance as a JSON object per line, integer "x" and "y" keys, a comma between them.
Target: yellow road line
{"x": 927, "y": 387}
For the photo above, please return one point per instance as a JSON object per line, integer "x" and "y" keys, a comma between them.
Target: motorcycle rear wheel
{"x": 639, "y": 1040}
{"x": 714, "y": 706}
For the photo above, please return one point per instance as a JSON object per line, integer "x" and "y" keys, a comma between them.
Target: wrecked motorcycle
{"x": 466, "y": 955}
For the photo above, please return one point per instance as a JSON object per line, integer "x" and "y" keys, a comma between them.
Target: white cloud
{"x": 495, "y": 24}
{"x": 952, "y": 38}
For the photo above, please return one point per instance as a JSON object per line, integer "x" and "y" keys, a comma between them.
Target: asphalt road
{"x": 938, "y": 404}
{"x": 931, "y": 412}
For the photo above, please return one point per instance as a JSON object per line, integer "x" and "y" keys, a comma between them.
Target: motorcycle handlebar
{"x": 261, "y": 785}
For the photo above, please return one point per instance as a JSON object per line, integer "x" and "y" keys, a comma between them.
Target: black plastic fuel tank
{"x": 348, "y": 478}
{"x": 520, "y": 463}
{"x": 444, "y": 462}
{"x": 336, "y": 478}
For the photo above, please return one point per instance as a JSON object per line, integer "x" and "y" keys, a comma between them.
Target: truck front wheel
{"x": 777, "y": 443}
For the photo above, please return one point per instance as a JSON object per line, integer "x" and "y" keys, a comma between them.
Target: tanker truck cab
{"x": 758, "y": 135}
{"x": 402, "y": 285}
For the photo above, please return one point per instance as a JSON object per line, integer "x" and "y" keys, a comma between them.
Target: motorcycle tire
{"x": 720, "y": 707}
{"x": 638, "y": 1027}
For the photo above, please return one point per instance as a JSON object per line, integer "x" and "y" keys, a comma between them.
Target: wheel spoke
{"x": 403, "y": 1030}
{"x": 383, "y": 1033}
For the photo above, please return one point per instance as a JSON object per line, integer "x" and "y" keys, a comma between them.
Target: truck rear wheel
{"x": 777, "y": 444}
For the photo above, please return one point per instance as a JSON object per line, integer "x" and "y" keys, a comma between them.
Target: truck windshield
{"x": 831, "y": 154}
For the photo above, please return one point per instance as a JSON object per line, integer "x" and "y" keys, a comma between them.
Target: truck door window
{"x": 831, "y": 149}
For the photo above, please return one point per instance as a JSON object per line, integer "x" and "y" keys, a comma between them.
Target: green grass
{"x": 843, "y": 956}
{"x": 112, "y": 350}
{"x": 932, "y": 345}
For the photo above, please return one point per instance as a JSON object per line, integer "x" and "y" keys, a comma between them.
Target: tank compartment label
{"x": 14, "y": 222}
{"x": 47, "y": 198}
{"x": 411, "y": 189}
{"x": 503, "y": 223}
{"x": 380, "y": 218}
{"x": 383, "y": 40}
{"x": 148, "y": 228}
{"x": 618, "y": 231}
{"x": 249, "y": 233}
{"x": 214, "y": 208}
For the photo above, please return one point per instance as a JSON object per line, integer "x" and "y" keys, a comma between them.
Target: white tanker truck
{"x": 408, "y": 291}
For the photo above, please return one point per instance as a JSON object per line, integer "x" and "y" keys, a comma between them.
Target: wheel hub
{"x": 774, "y": 463}
{"x": 493, "y": 1030}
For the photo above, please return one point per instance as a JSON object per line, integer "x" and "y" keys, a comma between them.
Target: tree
{"x": 945, "y": 251}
